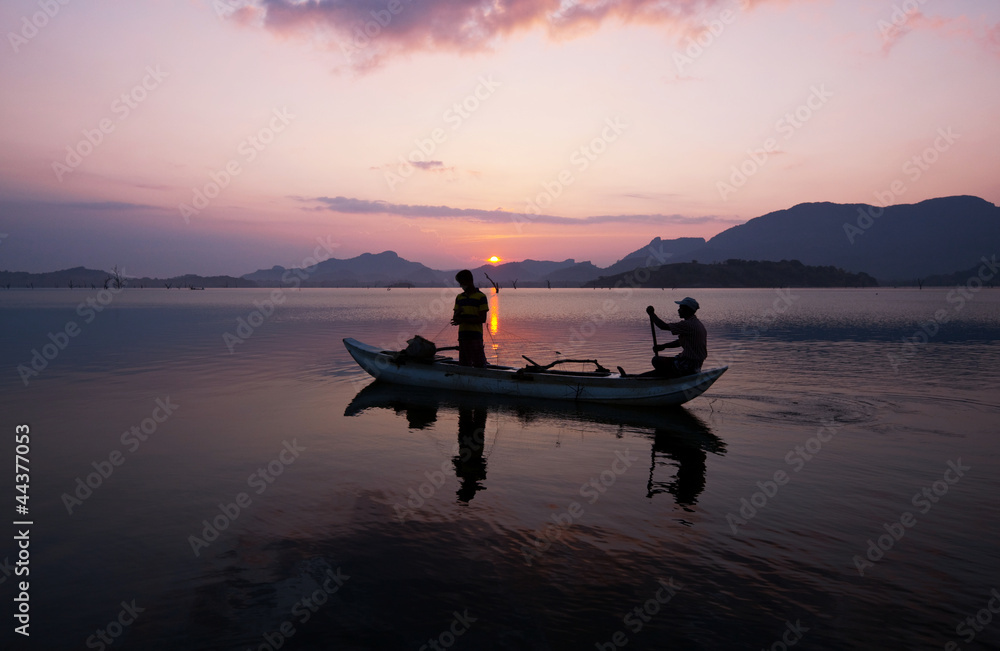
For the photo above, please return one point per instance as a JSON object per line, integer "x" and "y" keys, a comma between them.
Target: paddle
{"x": 652, "y": 327}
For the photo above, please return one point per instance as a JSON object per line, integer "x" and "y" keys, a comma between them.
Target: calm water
{"x": 272, "y": 497}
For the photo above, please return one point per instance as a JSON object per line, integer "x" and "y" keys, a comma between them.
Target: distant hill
{"x": 75, "y": 277}
{"x": 900, "y": 244}
{"x": 573, "y": 276}
{"x": 538, "y": 273}
{"x": 367, "y": 269}
{"x": 659, "y": 251}
{"x": 986, "y": 272}
{"x": 737, "y": 273}
{"x": 524, "y": 271}
{"x": 81, "y": 277}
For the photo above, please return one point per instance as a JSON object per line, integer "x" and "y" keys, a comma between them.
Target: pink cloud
{"x": 352, "y": 205}
{"x": 900, "y": 24}
{"x": 368, "y": 31}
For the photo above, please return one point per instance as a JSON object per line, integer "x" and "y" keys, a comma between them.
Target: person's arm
{"x": 484, "y": 308}
{"x": 680, "y": 328}
{"x": 662, "y": 325}
{"x": 676, "y": 343}
{"x": 673, "y": 328}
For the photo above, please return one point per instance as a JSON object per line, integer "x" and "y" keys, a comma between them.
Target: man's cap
{"x": 689, "y": 302}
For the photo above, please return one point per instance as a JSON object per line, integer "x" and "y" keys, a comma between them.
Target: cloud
{"x": 367, "y": 31}
{"x": 448, "y": 173}
{"x": 349, "y": 205}
{"x": 101, "y": 205}
{"x": 901, "y": 24}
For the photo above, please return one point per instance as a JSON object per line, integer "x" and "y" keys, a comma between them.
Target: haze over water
{"x": 358, "y": 516}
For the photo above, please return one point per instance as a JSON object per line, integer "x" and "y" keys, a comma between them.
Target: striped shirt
{"x": 473, "y": 303}
{"x": 693, "y": 338}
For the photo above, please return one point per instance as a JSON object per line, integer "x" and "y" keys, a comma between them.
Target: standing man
{"x": 471, "y": 307}
{"x": 692, "y": 339}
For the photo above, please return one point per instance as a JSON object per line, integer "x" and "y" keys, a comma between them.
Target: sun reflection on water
{"x": 494, "y": 313}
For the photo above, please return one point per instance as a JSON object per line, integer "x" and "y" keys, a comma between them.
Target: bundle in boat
{"x": 421, "y": 350}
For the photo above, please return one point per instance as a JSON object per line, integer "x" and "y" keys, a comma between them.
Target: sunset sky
{"x": 192, "y": 136}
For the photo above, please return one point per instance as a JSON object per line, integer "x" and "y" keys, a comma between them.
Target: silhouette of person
{"x": 692, "y": 339}
{"x": 471, "y": 307}
{"x": 470, "y": 464}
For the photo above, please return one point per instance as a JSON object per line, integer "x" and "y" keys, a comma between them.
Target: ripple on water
{"x": 805, "y": 408}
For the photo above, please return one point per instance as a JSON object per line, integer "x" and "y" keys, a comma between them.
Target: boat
{"x": 531, "y": 381}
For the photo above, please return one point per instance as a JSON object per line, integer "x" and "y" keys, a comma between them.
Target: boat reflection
{"x": 679, "y": 440}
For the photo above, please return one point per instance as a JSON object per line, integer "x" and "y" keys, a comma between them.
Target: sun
{"x": 494, "y": 259}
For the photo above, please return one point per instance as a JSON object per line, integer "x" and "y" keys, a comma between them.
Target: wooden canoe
{"x": 597, "y": 387}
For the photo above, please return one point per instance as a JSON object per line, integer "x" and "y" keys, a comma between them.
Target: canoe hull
{"x": 610, "y": 389}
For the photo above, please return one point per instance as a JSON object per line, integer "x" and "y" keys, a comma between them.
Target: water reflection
{"x": 494, "y": 312}
{"x": 470, "y": 464}
{"x": 679, "y": 440}
{"x": 682, "y": 441}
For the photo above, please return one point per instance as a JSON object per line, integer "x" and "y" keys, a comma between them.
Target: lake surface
{"x": 250, "y": 488}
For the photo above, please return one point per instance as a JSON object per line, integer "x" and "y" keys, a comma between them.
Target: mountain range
{"x": 901, "y": 244}
{"x": 894, "y": 244}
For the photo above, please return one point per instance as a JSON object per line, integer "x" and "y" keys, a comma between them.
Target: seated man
{"x": 692, "y": 339}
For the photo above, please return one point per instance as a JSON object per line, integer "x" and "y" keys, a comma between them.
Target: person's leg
{"x": 464, "y": 350}
{"x": 479, "y": 353}
{"x": 685, "y": 367}
{"x": 662, "y": 367}
{"x": 470, "y": 349}
{"x": 672, "y": 367}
